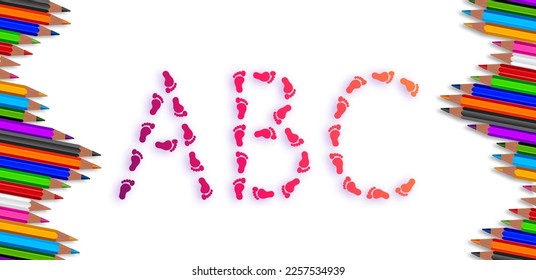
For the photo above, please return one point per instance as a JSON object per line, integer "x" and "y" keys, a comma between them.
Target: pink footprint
{"x": 334, "y": 133}
{"x": 356, "y": 83}
{"x": 294, "y": 139}
{"x": 146, "y": 129}
{"x": 126, "y": 186}
{"x": 242, "y": 161}
{"x": 260, "y": 193}
{"x": 241, "y": 106}
{"x": 336, "y": 159}
{"x": 195, "y": 164}
{"x": 404, "y": 189}
{"x": 266, "y": 133}
{"x": 341, "y": 107}
{"x": 281, "y": 113}
{"x": 178, "y": 109}
{"x": 168, "y": 145}
{"x": 239, "y": 80}
{"x": 303, "y": 165}
{"x": 289, "y": 187}
{"x": 135, "y": 160}
{"x": 350, "y": 186}
{"x": 239, "y": 132}
{"x": 205, "y": 189}
{"x": 288, "y": 88}
{"x": 188, "y": 135}
{"x": 377, "y": 193}
{"x": 266, "y": 77}
{"x": 239, "y": 187}
{"x": 156, "y": 103}
{"x": 169, "y": 82}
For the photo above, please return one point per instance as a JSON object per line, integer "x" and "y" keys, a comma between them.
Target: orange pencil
{"x": 493, "y": 106}
{"x": 30, "y": 16}
{"x": 508, "y": 247}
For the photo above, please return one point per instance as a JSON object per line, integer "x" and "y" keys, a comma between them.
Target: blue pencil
{"x": 489, "y": 92}
{"x": 52, "y": 171}
{"x": 518, "y": 160}
{"x": 24, "y": 27}
{"x": 34, "y": 244}
{"x": 19, "y": 103}
{"x": 504, "y": 19}
{"x": 514, "y": 235}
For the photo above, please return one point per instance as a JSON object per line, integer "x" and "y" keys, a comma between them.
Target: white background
{"x": 100, "y": 74}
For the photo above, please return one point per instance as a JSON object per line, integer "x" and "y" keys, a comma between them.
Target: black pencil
{"x": 492, "y": 118}
{"x": 40, "y": 6}
{"x": 498, "y": 256}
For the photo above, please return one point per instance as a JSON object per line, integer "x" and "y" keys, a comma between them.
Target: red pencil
{"x": 529, "y": 213}
{"x": 10, "y": 50}
{"x": 511, "y": 71}
{"x": 26, "y": 191}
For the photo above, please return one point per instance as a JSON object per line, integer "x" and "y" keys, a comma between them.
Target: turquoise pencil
{"x": 518, "y": 160}
{"x": 504, "y": 19}
{"x": 19, "y": 103}
{"x": 34, "y": 244}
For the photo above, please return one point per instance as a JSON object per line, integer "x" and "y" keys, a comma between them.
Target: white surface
{"x": 99, "y": 75}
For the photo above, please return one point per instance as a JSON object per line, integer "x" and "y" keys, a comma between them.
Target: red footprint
{"x": 156, "y": 103}
{"x": 294, "y": 139}
{"x": 384, "y": 77}
{"x": 336, "y": 159}
{"x": 356, "y": 83}
{"x": 178, "y": 108}
{"x": 205, "y": 189}
{"x": 169, "y": 82}
{"x": 266, "y": 77}
{"x": 168, "y": 145}
{"x": 334, "y": 133}
{"x": 377, "y": 193}
{"x": 241, "y": 106}
{"x": 239, "y": 132}
{"x": 239, "y": 187}
{"x": 195, "y": 164}
{"x": 288, "y": 88}
{"x": 239, "y": 80}
{"x": 135, "y": 160}
{"x": 303, "y": 165}
{"x": 341, "y": 107}
{"x": 289, "y": 187}
{"x": 266, "y": 133}
{"x": 281, "y": 113}
{"x": 350, "y": 186}
{"x": 260, "y": 193}
{"x": 242, "y": 161}
{"x": 404, "y": 189}
{"x": 126, "y": 186}
{"x": 146, "y": 129}
{"x": 188, "y": 135}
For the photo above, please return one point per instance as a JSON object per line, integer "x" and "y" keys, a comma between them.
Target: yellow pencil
{"x": 517, "y": 172}
{"x": 34, "y": 231}
{"x": 502, "y": 31}
{"x": 19, "y": 90}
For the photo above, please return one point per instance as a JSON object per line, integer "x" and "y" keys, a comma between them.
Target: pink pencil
{"x": 20, "y": 216}
{"x": 519, "y": 47}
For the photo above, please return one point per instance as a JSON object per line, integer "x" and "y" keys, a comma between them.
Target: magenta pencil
{"x": 19, "y": 216}
{"x": 518, "y": 47}
{"x": 506, "y": 133}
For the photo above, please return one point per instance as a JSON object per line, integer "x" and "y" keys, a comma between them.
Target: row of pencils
{"x": 34, "y": 159}
{"x": 503, "y": 105}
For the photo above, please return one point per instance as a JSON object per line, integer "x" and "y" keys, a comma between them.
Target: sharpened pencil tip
{"x": 528, "y": 187}
{"x": 472, "y": 1}
{"x": 54, "y": 33}
{"x": 445, "y": 110}
{"x": 497, "y": 156}
{"x": 468, "y": 24}
{"x": 65, "y": 186}
{"x": 35, "y": 41}
{"x": 476, "y": 254}
{"x": 488, "y": 230}
{"x": 506, "y": 222}
{"x": 13, "y": 76}
{"x": 446, "y": 97}
{"x": 73, "y": 251}
{"x": 513, "y": 211}
{"x": 467, "y": 12}
{"x": 43, "y": 220}
{"x": 94, "y": 166}
{"x": 502, "y": 144}
{"x": 27, "y": 53}
{"x": 473, "y": 126}
{"x": 476, "y": 241}
{"x": 500, "y": 169}
{"x": 39, "y": 119}
{"x": 84, "y": 177}
{"x": 476, "y": 78}
{"x": 72, "y": 238}
{"x": 483, "y": 66}
{"x": 64, "y": 22}
{"x": 68, "y": 137}
{"x": 57, "y": 197}
{"x": 65, "y": 10}
{"x": 456, "y": 86}
{"x": 497, "y": 43}
{"x": 95, "y": 154}
{"x": 40, "y": 94}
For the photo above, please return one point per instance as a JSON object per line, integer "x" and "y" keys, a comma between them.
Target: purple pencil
{"x": 32, "y": 130}
{"x": 506, "y": 133}
{"x": 524, "y": 2}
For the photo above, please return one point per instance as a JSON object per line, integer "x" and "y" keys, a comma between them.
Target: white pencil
{"x": 20, "y": 203}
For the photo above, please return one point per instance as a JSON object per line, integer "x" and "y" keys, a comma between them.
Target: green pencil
{"x": 519, "y": 147}
{"x": 18, "y": 115}
{"x": 30, "y": 179}
{"x": 505, "y": 7}
{"x": 523, "y": 225}
{"x": 15, "y": 38}
{"x": 507, "y": 84}
{"x": 26, "y": 255}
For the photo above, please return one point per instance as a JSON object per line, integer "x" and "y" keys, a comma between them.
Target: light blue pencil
{"x": 504, "y": 19}
{"x": 34, "y": 244}
{"x": 19, "y": 103}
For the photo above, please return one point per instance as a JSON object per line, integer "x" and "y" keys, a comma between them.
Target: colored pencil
{"x": 54, "y": 146}
{"x": 32, "y": 130}
{"x": 6, "y": 62}
{"x": 507, "y": 84}
{"x": 528, "y": 213}
{"x": 488, "y": 92}
{"x": 531, "y": 188}
{"x": 19, "y": 90}
{"x": 518, "y": 172}
{"x": 4, "y": 258}
{"x": 518, "y": 160}
{"x": 12, "y": 50}
{"x": 34, "y": 231}
{"x": 16, "y": 38}
{"x": 493, "y": 106}
{"x": 24, "y": 27}
{"x": 523, "y": 2}
{"x": 491, "y": 255}
{"x": 530, "y": 200}
{"x": 20, "y": 203}
{"x": 51, "y": 171}
{"x": 30, "y": 16}
{"x": 519, "y": 60}
{"x": 30, "y": 179}
{"x": 26, "y": 191}
{"x": 511, "y": 71}
{"x": 519, "y": 47}
{"x": 519, "y": 147}
{"x": 508, "y": 247}
{"x": 503, "y": 31}
{"x": 505, "y": 7}
{"x": 45, "y": 157}
{"x": 18, "y": 115}
{"x": 20, "y": 103}
{"x": 492, "y": 118}
{"x": 513, "y": 235}
{"x": 525, "y": 225}
{"x": 504, "y": 19}
{"x": 36, "y": 6}
{"x": 20, "y": 216}
{"x": 504, "y": 132}
{"x": 34, "y": 244}
{"x": 26, "y": 255}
